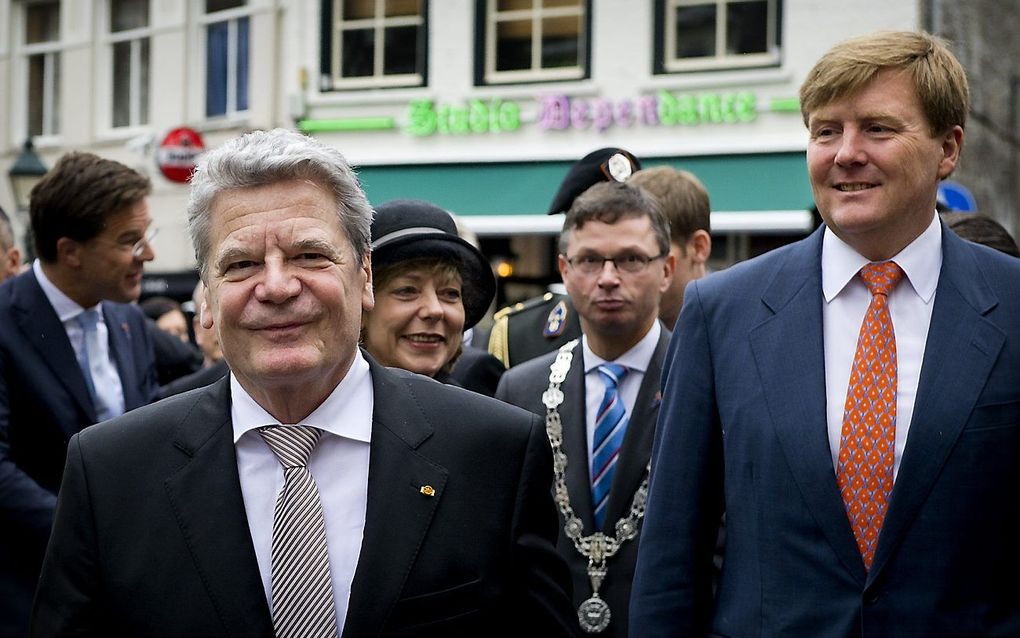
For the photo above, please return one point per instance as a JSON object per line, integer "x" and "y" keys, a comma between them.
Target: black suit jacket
{"x": 43, "y": 401}
{"x": 151, "y": 537}
{"x": 478, "y": 371}
{"x": 523, "y": 386}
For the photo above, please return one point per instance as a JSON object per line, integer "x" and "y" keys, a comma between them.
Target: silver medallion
{"x": 593, "y": 614}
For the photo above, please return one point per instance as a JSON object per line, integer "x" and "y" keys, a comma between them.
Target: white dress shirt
{"x": 636, "y": 360}
{"x": 339, "y": 465}
{"x": 846, "y": 301}
{"x": 67, "y": 311}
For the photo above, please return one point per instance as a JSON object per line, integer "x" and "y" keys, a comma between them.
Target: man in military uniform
{"x": 542, "y": 324}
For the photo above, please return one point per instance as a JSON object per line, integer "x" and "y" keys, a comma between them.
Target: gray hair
{"x": 266, "y": 157}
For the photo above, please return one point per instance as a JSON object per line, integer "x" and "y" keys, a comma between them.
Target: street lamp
{"x": 25, "y": 173}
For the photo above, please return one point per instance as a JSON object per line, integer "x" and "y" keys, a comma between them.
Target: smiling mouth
{"x": 854, "y": 187}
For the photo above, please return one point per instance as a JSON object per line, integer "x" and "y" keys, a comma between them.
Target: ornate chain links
{"x": 593, "y": 613}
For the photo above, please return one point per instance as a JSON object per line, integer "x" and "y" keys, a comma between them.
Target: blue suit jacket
{"x": 742, "y": 430}
{"x": 43, "y": 402}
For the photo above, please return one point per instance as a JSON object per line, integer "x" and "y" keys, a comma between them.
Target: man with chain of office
{"x": 599, "y": 394}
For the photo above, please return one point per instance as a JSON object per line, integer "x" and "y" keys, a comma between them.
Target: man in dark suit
{"x": 312, "y": 492}
{"x": 90, "y": 220}
{"x": 615, "y": 262}
{"x": 851, "y": 401}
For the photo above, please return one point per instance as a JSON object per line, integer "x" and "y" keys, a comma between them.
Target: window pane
{"x": 561, "y": 3}
{"x": 560, "y": 42}
{"x": 358, "y": 9}
{"x": 143, "y": 89}
{"x": 695, "y": 31}
{"x": 42, "y": 22}
{"x": 220, "y": 5}
{"x": 358, "y": 53}
{"x": 403, "y": 8}
{"x": 513, "y": 5}
{"x": 242, "y": 64}
{"x": 54, "y": 92}
{"x": 746, "y": 27}
{"x": 36, "y": 81}
{"x": 122, "y": 84}
{"x": 513, "y": 45}
{"x": 216, "y": 69}
{"x": 128, "y": 14}
{"x": 401, "y": 50}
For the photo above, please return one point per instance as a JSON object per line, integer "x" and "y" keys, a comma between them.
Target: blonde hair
{"x": 682, "y": 198}
{"x": 938, "y": 77}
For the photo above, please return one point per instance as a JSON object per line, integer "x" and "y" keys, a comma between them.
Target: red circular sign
{"x": 178, "y": 154}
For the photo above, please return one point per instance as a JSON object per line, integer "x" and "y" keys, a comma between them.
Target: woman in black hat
{"x": 430, "y": 286}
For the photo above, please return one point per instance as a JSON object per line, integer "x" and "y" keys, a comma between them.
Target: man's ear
{"x": 367, "y": 294}
{"x": 69, "y": 252}
{"x": 699, "y": 246}
{"x": 205, "y": 310}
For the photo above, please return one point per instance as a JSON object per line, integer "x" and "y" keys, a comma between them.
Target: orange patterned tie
{"x": 868, "y": 439}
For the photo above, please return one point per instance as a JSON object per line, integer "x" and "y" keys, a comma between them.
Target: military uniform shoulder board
{"x": 557, "y": 321}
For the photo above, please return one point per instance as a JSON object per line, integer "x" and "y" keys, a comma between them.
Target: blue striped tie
{"x": 610, "y": 426}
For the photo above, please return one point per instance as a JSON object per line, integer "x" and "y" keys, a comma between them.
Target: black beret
{"x": 604, "y": 165}
{"x": 406, "y": 229}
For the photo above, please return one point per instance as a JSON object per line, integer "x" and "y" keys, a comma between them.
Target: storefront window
{"x": 374, "y": 43}
{"x": 533, "y": 40}
{"x": 697, "y": 35}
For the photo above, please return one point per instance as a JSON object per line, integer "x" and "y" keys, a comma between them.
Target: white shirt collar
{"x": 65, "y": 307}
{"x": 338, "y": 414}
{"x": 921, "y": 261}
{"x": 635, "y": 359}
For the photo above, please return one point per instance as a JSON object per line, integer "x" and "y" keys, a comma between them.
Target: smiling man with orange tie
{"x": 851, "y": 402}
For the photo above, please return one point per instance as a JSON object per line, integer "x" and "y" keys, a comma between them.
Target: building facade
{"x": 477, "y": 105}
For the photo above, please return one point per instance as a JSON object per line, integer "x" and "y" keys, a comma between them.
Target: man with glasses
{"x": 72, "y": 351}
{"x": 600, "y": 394}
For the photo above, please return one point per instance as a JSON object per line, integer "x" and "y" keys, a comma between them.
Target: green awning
{"x": 736, "y": 183}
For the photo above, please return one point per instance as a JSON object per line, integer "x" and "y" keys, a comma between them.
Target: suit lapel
{"x": 123, "y": 353}
{"x": 789, "y": 354}
{"x": 205, "y": 494}
{"x": 959, "y": 354}
{"x": 575, "y": 440}
{"x": 399, "y": 513}
{"x": 637, "y": 442}
{"x": 42, "y": 328}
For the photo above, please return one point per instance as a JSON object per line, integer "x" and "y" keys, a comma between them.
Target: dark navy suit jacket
{"x": 43, "y": 402}
{"x": 742, "y": 430}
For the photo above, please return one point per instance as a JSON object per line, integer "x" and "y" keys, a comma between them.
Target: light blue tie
{"x": 88, "y": 320}
{"x": 610, "y": 426}
{"x": 101, "y": 377}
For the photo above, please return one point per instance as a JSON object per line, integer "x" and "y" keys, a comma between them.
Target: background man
{"x": 405, "y": 508}
{"x": 684, "y": 201}
{"x": 539, "y": 325}
{"x": 71, "y": 352}
{"x": 615, "y": 262}
{"x": 852, "y": 401}
{"x": 10, "y": 255}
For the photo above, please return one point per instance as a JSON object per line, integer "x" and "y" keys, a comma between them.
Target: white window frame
{"x": 51, "y": 54}
{"x": 378, "y": 24}
{"x": 135, "y": 37}
{"x": 231, "y": 17}
{"x": 721, "y": 60}
{"x": 536, "y": 15}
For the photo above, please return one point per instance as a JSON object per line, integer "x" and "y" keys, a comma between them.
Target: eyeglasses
{"x": 630, "y": 263}
{"x": 138, "y": 247}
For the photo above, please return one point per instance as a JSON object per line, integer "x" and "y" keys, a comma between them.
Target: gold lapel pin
{"x": 428, "y": 490}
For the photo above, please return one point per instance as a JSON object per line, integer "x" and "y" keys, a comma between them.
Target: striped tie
{"x": 303, "y": 603}
{"x": 610, "y": 426}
